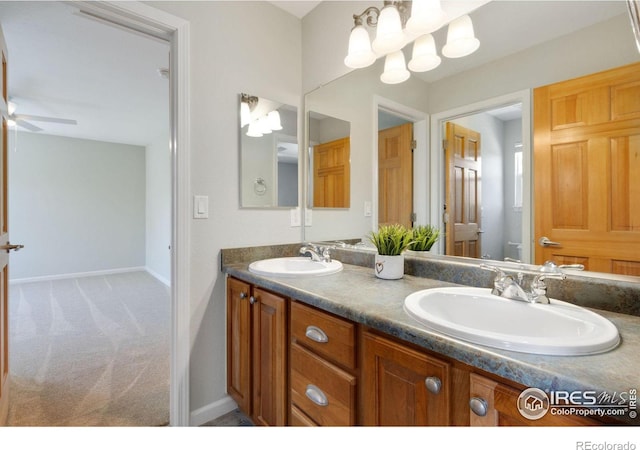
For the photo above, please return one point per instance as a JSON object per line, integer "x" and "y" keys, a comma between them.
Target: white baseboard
{"x": 77, "y": 275}
{"x": 212, "y": 411}
{"x": 158, "y": 277}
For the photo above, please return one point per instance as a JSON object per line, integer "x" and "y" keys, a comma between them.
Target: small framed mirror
{"x": 269, "y": 153}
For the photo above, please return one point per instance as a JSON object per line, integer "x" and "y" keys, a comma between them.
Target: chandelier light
{"x": 400, "y": 23}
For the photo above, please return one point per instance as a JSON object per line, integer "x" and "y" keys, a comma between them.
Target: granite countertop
{"x": 357, "y": 294}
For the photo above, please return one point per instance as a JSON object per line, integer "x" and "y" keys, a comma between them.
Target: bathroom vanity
{"x": 340, "y": 350}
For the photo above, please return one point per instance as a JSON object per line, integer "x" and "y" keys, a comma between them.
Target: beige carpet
{"x": 90, "y": 351}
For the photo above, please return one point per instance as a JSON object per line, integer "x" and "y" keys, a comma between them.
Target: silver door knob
{"x": 8, "y": 247}
{"x": 433, "y": 384}
{"x": 546, "y": 242}
{"x": 479, "y": 406}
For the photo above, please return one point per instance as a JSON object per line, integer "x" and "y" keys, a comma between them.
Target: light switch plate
{"x": 367, "y": 208}
{"x": 308, "y": 217}
{"x": 296, "y": 219}
{"x": 200, "y": 206}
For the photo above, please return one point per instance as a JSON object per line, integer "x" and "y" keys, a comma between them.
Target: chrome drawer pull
{"x": 433, "y": 384}
{"x": 316, "y": 334}
{"x": 479, "y": 406}
{"x": 314, "y": 394}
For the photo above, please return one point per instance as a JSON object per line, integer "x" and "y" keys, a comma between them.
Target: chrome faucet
{"x": 316, "y": 252}
{"x": 512, "y": 288}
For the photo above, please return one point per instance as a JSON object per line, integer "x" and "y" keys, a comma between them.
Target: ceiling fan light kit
{"x": 400, "y": 23}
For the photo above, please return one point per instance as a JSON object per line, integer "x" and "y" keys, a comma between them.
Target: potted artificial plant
{"x": 423, "y": 238}
{"x": 391, "y": 241}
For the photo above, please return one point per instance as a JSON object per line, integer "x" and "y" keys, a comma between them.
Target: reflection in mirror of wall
{"x": 268, "y": 153}
{"x": 329, "y": 161}
{"x": 525, "y": 44}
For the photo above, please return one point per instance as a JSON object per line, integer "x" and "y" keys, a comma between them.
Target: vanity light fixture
{"x": 258, "y": 126}
{"x": 398, "y": 24}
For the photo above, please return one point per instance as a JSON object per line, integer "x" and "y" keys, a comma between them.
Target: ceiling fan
{"x": 22, "y": 120}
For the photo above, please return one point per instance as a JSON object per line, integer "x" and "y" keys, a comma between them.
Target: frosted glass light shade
{"x": 461, "y": 40}
{"x": 245, "y": 114}
{"x": 424, "y": 56}
{"x": 426, "y": 17}
{"x": 11, "y": 107}
{"x": 360, "y": 54}
{"x": 254, "y": 129}
{"x": 274, "y": 121}
{"x": 395, "y": 70}
{"x": 263, "y": 125}
{"x": 389, "y": 35}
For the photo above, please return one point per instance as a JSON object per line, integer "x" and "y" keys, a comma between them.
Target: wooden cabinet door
{"x": 269, "y": 358}
{"x": 239, "y": 343}
{"x": 394, "y": 385}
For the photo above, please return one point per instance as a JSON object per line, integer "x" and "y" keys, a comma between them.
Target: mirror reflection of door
{"x": 587, "y": 159}
{"x": 463, "y": 180}
{"x": 331, "y": 174}
{"x": 500, "y": 199}
{"x": 395, "y": 174}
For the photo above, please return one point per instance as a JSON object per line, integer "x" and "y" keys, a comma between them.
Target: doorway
{"x": 505, "y": 216}
{"x": 409, "y": 196}
{"x": 148, "y": 20}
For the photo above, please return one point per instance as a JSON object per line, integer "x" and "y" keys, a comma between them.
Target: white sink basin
{"x": 477, "y": 316}
{"x": 294, "y": 266}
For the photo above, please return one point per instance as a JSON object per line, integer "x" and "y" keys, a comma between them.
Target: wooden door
{"x": 269, "y": 359}
{"x": 332, "y": 174}
{"x": 463, "y": 181}
{"x": 395, "y": 175}
{"x": 587, "y": 171}
{"x": 4, "y": 238}
{"x": 394, "y": 388}
{"x": 239, "y": 343}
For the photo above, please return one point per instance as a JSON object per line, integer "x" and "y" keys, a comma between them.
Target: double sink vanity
{"x": 322, "y": 341}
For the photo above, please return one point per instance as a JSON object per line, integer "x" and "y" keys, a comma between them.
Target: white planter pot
{"x": 389, "y": 267}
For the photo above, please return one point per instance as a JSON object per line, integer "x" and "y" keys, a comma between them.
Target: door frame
{"x": 421, "y": 161}
{"x": 437, "y": 163}
{"x": 154, "y": 22}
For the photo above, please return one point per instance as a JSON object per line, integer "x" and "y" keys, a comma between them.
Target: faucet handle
{"x": 499, "y": 281}
{"x": 551, "y": 267}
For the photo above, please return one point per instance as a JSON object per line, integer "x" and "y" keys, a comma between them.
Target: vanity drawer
{"x": 325, "y": 393}
{"x": 327, "y": 335}
{"x": 300, "y": 419}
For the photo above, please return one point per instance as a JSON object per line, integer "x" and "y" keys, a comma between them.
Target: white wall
{"x": 76, "y": 205}
{"x": 235, "y": 47}
{"x": 158, "y": 208}
{"x": 512, "y": 216}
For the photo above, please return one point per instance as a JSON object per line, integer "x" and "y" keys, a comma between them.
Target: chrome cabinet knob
{"x": 433, "y": 384}
{"x": 243, "y": 295}
{"x": 252, "y": 300}
{"x": 478, "y": 406}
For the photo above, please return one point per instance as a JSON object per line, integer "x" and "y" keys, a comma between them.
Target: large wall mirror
{"x": 269, "y": 153}
{"x": 490, "y": 96}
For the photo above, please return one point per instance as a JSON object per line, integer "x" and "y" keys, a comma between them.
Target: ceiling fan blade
{"x": 46, "y": 119}
{"x": 27, "y": 125}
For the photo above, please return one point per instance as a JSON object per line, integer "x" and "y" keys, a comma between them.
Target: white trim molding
{"x": 212, "y": 411}
{"x": 66, "y": 276}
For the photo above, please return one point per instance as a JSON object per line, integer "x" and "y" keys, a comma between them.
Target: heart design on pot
{"x": 379, "y": 266}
